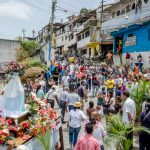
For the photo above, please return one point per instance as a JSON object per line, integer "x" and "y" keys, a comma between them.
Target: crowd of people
{"x": 110, "y": 86}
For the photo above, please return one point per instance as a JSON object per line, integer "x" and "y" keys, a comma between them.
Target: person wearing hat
{"x": 76, "y": 116}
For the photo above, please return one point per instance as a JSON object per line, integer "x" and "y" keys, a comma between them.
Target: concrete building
{"x": 47, "y": 50}
{"x": 8, "y": 50}
{"x": 135, "y": 39}
{"x": 123, "y": 15}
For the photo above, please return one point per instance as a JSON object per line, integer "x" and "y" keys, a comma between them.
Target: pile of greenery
{"x": 27, "y": 49}
{"x": 26, "y": 56}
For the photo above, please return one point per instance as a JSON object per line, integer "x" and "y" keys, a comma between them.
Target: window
{"x": 79, "y": 38}
{"x": 71, "y": 37}
{"x": 149, "y": 34}
{"x": 130, "y": 35}
{"x": 83, "y": 36}
{"x": 133, "y": 6}
{"x": 145, "y": 1}
{"x": 123, "y": 12}
{"x": 65, "y": 37}
{"x": 118, "y": 13}
{"x": 127, "y": 9}
{"x": 62, "y": 38}
{"x": 87, "y": 33}
{"x": 84, "y": 52}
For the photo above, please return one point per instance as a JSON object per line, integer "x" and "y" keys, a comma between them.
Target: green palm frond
{"x": 118, "y": 132}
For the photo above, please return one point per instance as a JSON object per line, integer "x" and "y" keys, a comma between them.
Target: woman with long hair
{"x": 40, "y": 92}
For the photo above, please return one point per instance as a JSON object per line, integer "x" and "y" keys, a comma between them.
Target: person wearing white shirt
{"x": 65, "y": 80}
{"x": 129, "y": 109}
{"x": 129, "y": 112}
{"x": 76, "y": 116}
{"x": 99, "y": 132}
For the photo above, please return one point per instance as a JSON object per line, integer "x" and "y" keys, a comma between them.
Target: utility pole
{"x": 23, "y": 33}
{"x": 33, "y": 33}
{"x": 101, "y": 17}
{"x": 100, "y": 30}
{"x": 51, "y": 27}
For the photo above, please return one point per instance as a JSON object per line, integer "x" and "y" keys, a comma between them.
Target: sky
{"x": 30, "y": 15}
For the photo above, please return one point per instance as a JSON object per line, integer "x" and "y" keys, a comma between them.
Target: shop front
{"x": 133, "y": 40}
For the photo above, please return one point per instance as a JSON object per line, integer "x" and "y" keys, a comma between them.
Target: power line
{"x": 37, "y": 7}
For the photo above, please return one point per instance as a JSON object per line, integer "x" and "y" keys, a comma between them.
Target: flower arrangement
{"x": 3, "y": 136}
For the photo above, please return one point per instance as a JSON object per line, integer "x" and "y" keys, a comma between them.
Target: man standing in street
{"x": 87, "y": 142}
{"x": 65, "y": 80}
{"x": 63, "y": 102}
{"x": 129, "y": 113}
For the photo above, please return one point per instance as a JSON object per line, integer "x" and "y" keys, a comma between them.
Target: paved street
{"x": 65, "y": 129}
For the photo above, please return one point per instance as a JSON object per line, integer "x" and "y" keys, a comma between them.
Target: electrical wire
{"x": 37, "y": 7}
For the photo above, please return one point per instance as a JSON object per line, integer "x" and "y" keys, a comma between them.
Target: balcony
{"x": 125, "y": 20}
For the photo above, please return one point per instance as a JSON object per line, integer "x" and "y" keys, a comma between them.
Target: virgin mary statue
{"x": 14, "y": 95}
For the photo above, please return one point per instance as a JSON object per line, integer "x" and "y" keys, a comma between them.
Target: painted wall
{"x": 142, "y": 43}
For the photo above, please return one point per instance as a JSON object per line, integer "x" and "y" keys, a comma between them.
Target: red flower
{"x": 9, "y": 121}
{"x": 1, "y": 141}
{"x": 20, "y": 134}
{"x": 42, "y": 112}
{"x": 1, "y": 132}
{"x": 14, "y": 129}
{"x": 5, "y": 133}
{"x": 25, "y": 125}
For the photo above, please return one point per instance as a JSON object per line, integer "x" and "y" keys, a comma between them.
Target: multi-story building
{"x": 127, "y": 24}
{"x": 71, "y": 38}
{"x": 87, "y": 38}
{"x": 47, "y": 52}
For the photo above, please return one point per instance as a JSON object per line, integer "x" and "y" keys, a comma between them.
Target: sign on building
{"x": 130, "y": 41}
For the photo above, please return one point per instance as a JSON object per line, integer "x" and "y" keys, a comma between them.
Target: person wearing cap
{"x": 76, "y": 116}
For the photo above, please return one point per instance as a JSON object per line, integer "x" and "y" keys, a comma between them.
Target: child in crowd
{"x": 90, "y": 109}
{"x": 100, "y": 111}
{"x": 100, "y": 98}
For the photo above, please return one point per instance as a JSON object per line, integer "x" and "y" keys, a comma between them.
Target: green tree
{"x": 84, "y": 10}
{"x": 27, "y": 49}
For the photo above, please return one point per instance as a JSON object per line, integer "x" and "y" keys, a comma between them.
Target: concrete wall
{"x": 145, "y": 55}
{"x": 8, "y": 50}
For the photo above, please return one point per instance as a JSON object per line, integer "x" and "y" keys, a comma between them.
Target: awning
{"x": 93, "y": 44}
